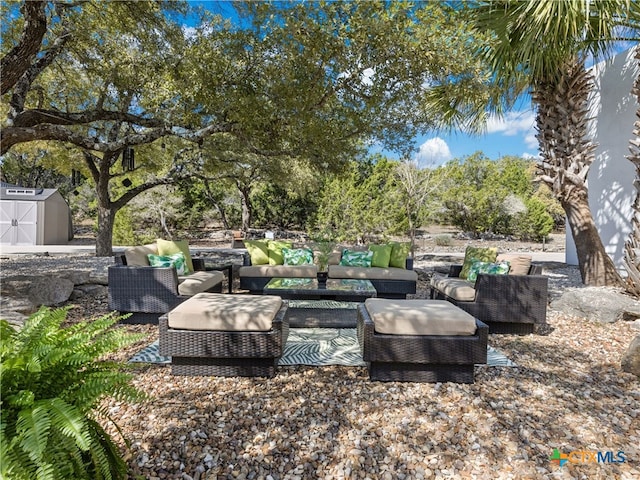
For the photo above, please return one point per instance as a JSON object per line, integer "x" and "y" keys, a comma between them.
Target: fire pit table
{"x": 331, "y": 305}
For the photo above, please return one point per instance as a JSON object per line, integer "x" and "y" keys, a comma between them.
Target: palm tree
{"x": 542, "y": 46}
{"x": 632, "y": 245}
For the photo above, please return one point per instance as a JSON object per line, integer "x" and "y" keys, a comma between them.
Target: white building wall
{"x": 610, "y": 179}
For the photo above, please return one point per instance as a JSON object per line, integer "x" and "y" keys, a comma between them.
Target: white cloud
{"x": 530, "y": 140}
{"x": 367, "y": 76}
{"x": 433, "y": 152}
{"x": 530, "y": 156}
{"x": 513, "y": 123}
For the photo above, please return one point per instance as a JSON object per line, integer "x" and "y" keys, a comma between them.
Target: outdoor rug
{"x": 318, "y": 346}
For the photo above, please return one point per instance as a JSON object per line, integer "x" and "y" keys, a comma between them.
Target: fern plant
{"x": 53, "y": 381}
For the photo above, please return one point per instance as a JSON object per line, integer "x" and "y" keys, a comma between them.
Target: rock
{"x": 50, "y": 290}
{"x": 603, "y": 305}
{"x": 78, "y": 277}
{"x": 19, "y": 305}
{"x": 631, "y": 359}
{"x": 99, "y": 279}
{"x": 17, "y": 286}
{"x": 14, "y": 318}
{"x": 630, "y": 314}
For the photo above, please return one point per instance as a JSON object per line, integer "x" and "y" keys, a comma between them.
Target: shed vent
{"x": 21, "y": 191}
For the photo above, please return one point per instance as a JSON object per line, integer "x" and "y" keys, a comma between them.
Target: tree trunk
{"x": 99, "y": 168}
{"x": 566, "y": 156}
{"x": 104, "y": 237}
{"x": 632, "y": 245}
{"x": 247, "y": 209}
{"x": 223, "y": 216}
{"x": 596, "y": 266}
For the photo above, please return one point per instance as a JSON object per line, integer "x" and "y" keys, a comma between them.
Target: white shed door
{"x": 18, "y": 222}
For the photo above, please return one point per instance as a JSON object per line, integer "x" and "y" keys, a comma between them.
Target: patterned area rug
{"x": 318, "y": 346}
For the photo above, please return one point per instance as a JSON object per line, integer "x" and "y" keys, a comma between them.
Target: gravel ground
{"x": 567, "y": 393}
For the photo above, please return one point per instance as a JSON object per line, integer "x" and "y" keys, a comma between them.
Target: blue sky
{"x": 513, "y": 134}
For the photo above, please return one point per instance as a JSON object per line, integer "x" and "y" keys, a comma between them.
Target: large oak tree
{"x": 305, "y": 84}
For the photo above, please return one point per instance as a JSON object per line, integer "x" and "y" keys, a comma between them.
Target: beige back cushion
{"x": 372, "y": 273}
{"x": 137, "y": 256}
{"x": 519, "y": 264}
{"x": 419, "y": 317}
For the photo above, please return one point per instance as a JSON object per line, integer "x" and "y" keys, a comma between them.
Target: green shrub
{"x": 443, "y": 240}
{"x": 536, "y": 223}
{"x": 53, "y": 380}
{"x": 123, "y": 231}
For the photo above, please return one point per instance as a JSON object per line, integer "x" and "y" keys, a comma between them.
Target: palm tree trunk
{"x": 566, "y": 156}
{"x": 632, "y": 245}
{"x": 596, "y": 266}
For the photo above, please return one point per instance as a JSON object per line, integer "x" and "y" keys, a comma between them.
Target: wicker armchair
{"x": 506, "y": 303}
{"x": 147, "y": 292}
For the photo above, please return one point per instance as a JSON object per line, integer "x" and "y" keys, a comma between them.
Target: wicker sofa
{"x": 149, "y": 292}
{"x": 506, "y": 303}
{"x": 389, "y": 282}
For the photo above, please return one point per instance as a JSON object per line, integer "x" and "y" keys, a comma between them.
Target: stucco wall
{"x": 611, "y": 176}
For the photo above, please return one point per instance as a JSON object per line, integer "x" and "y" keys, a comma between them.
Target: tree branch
{"x": 18, "y": 60}
{"x": 134, "y": 192}
{"x": 33, "y": 117}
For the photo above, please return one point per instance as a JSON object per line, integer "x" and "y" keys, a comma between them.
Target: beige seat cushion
{"x": 419, "y": 317}
{"x": 198, "y": 282}
{"x": 373, "y": 273}
{"x": 225, "y": 312}
{"x": 454, "y": 287}
{"x": 291, "y": 271}
{"x": 519, "y": 264}
{"x": 137, "y": 256}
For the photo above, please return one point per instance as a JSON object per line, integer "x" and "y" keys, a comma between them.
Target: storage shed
{"x": 34, "y": 216}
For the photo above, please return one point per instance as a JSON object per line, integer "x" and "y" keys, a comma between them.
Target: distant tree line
{"x": 375, "y": 197}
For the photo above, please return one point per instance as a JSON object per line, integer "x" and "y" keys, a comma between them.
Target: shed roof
{"x": 22, "y": 193}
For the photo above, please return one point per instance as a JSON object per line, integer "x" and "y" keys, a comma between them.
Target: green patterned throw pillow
{"x": 499, "y": 268}
{"x": 176, "y": 260}
{"x": 297, "y": 256}
{"x": 169, "y": 247}
{"x": 352, "y": 258}
{"x": 473, "y": 254}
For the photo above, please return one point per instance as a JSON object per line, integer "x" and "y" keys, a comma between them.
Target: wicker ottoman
{"x": 420, "y": 341}
{"x": 225, "y": 335}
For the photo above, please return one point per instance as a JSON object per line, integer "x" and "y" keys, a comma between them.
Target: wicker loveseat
{"x": 149, "y": 292}
{"x": 512, "y": 303}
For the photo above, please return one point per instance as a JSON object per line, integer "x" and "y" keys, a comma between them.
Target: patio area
{"x": 567, "y": 393}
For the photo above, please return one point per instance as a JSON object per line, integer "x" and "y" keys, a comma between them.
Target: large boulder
{"x": 631, "y": 359}
{"x": 50, "y": 291}
{"x": 605, "y": 305}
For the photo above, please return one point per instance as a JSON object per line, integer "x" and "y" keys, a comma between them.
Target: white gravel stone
{"x": 567, "y": 393}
